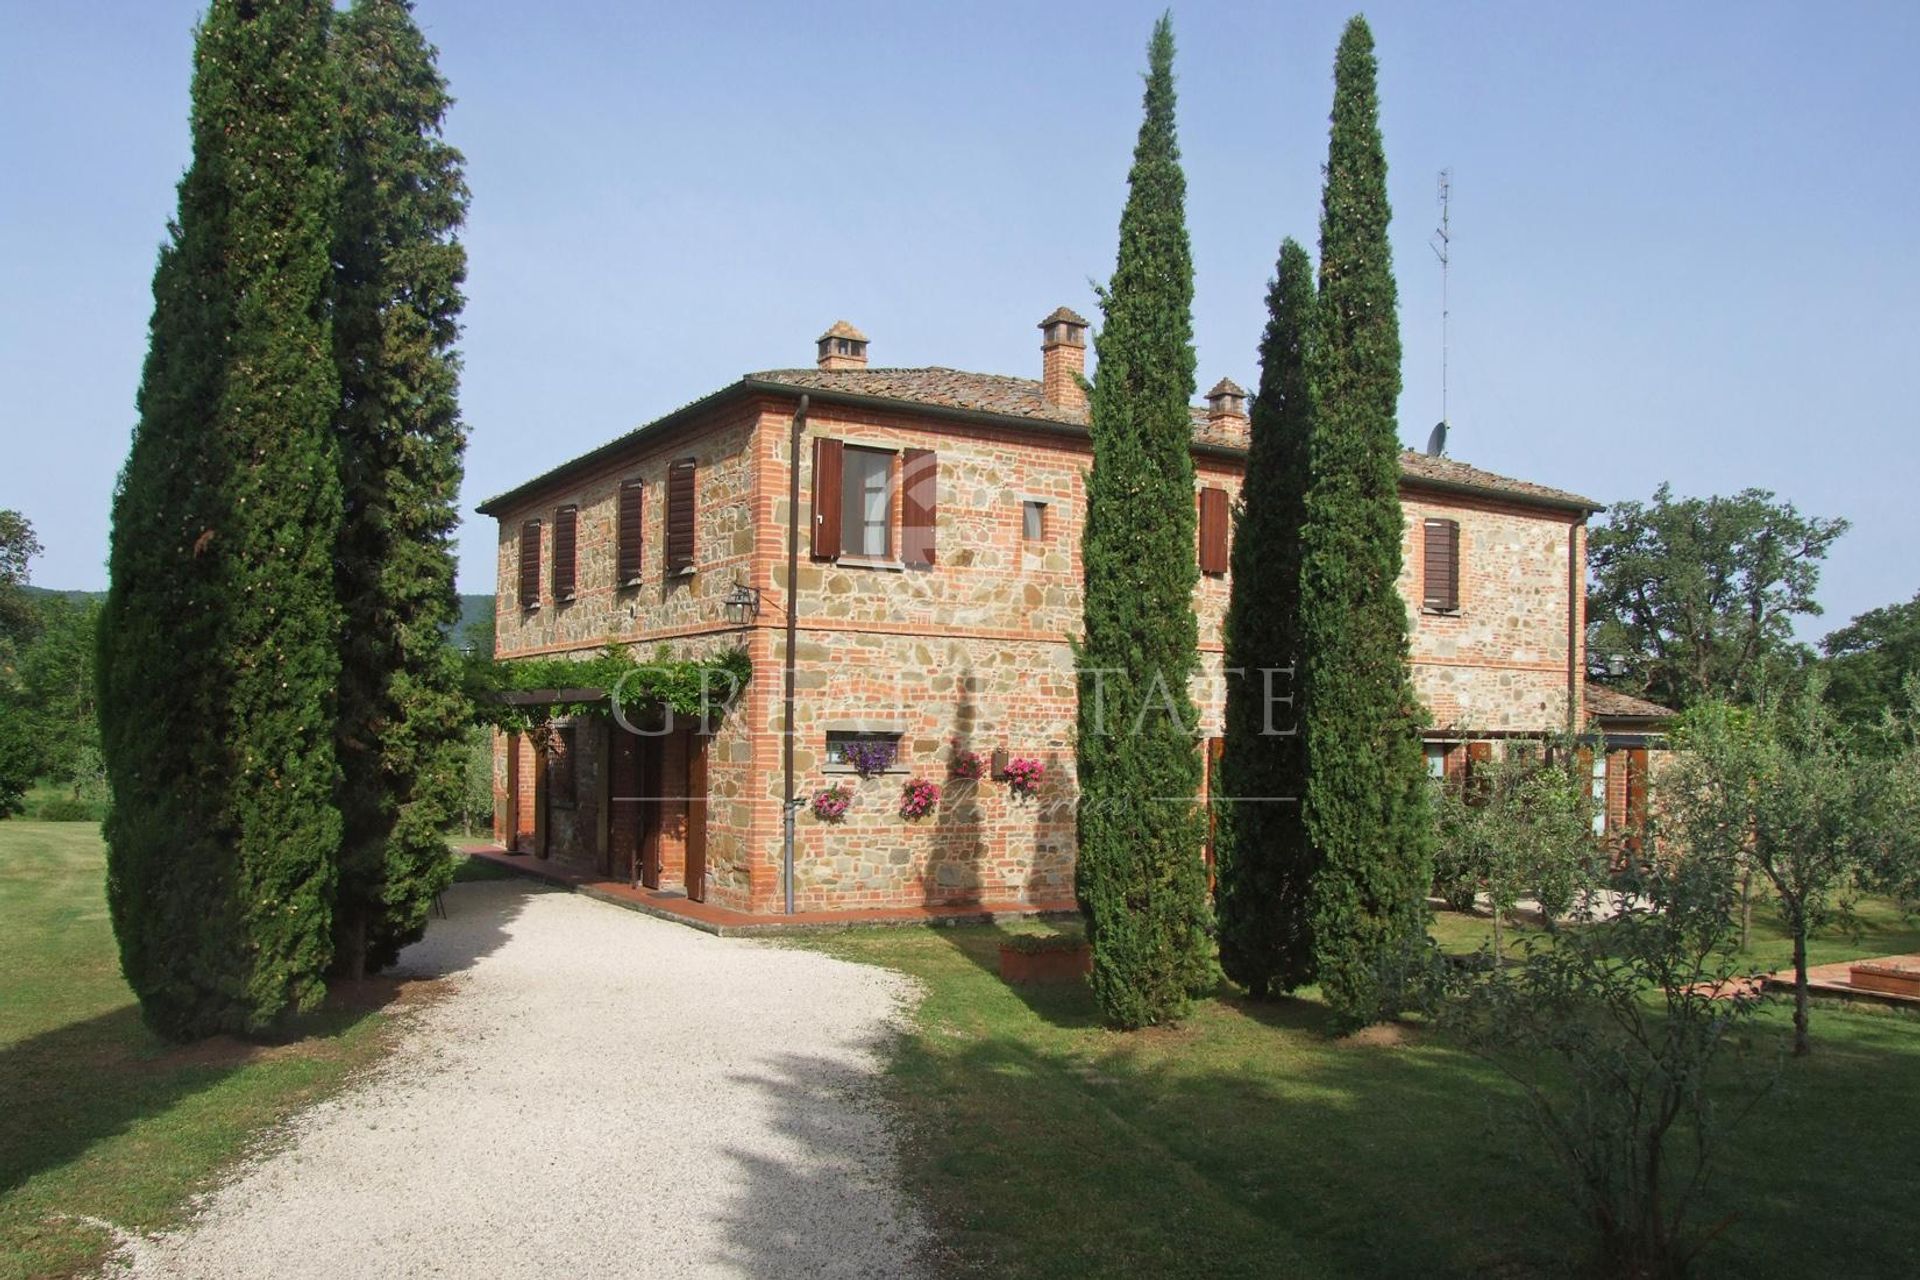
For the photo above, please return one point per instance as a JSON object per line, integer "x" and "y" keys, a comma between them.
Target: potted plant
{"x": 830, "y": 804}
{"x": 965, "y": 765}
{"x": 918, "y": 797}
{"x": 1045, "y": 957}
{"x": 1025, "y": 775}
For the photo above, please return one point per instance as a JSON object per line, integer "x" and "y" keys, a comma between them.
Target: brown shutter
{"x": 826, "y": 499}
{"x": 1213, "y": 531}
{"x": 530, "y": 565}
{"x": 566, "y": 522}
{"x": 680, "y": 516}
{"x": 1636, "y": 797}
{"x": 1479, "y": 758}
{"x": 632, "y": 510}
{"x": 1441, "y": 588}
{"x": 919, "y": 495}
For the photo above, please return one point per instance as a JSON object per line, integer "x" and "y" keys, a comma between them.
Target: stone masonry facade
{"x": 969, "y": 653}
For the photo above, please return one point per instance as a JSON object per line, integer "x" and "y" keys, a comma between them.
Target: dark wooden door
{"x": 697, "y": 816}
{"x": 650, "y": 781}
{"x": 624, "y": 822}
{"x": 1210, "y": 783}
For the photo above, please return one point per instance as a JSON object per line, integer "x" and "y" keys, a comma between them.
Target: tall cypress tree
{"x": 399, "y": 271}
{"x": 1265, "y": 863}
{"x": 217, "y": 652}
{"x": 1366, "y": 790}
{"x": 1140, "y": 881}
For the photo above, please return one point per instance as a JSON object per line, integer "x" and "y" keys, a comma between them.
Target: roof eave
{"x": 1572, "y": 502}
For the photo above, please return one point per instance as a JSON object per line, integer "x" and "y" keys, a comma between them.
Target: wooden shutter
{"x": 826, "y": 498}
{"x": 566, "y": 528}
{"x": 1213, "y": 531}
{"x": 1636, "y": 815}
{"x": 680, "y": 516}
{"x": 530, "y": 565}
{"x": 1479, "y": 758}
{"x": 632, "y": 510}
{"x": 1441, "y": 578}
{"x": 919, "y": 495}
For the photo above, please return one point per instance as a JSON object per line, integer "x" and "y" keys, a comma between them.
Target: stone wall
{"x": 1499, "y": 663}
{"x": 975, "y": 648}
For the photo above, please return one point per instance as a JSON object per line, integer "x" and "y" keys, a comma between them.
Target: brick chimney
{"x": 1227, "y": 415}
{"x": 1063, "y": 358}
{"x": 843, "y": 347}
{"x": 1225, "y": 402}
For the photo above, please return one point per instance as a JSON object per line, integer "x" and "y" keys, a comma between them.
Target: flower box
{"x": 1889, "y": 977}
{"x": 1039, "y": 958}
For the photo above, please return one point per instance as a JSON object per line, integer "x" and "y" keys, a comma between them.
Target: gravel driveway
{"x": 601, "y": 1094}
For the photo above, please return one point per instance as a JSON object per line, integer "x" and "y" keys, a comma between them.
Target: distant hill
{"x": 472, "y": 608}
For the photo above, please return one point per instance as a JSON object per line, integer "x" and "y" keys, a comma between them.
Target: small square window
{"x": 1033, "y": 521}
{"x": 866, "y": 751}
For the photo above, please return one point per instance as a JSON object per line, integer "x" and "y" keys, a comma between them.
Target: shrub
{"x": 1614, "y": 1032}
{"x": 68, "y": 809}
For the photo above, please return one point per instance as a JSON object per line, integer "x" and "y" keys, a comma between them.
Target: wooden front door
{"x": 650, "y": 780}
{"x": 624, "y": 820}
{"x": 697, "y": 816}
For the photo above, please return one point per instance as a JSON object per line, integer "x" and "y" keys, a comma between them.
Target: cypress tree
{"x": 399, "y": 271}
{"x": 1264, "y": 861}
{"x": 1366, "y": 790}
{"x": 1139, "y": 880}
{"x": 217, "y": 650}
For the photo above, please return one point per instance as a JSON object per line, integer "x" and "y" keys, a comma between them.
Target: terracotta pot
{"x": 1069, "y": 964}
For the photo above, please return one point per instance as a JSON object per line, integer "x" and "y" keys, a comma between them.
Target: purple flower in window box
{"x": 869, "y": 757}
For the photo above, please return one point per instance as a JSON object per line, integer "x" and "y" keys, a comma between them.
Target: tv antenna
{"x": 1442, "y": 244}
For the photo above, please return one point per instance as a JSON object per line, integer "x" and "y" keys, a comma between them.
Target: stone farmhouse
{"x": 937, "y": 586}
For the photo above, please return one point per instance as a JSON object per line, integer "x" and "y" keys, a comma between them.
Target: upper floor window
{"x": 866, "y": 503}
{"x": 1033, "y": 520}
{"x": 853, "y": 502}
{"x": 1440, "y": 564}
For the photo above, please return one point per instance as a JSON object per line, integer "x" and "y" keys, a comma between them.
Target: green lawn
{"x": 99, "y": 1118}
{"x": 1249, "y": 1143}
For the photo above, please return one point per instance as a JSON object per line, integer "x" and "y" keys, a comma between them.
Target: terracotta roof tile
{"x": 1611, "y": 703}
{"x": 1023, "y": 398}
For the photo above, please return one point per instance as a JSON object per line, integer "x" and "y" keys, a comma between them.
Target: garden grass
{"x": 1250, "y": 1142}
{"x": 102, "y": 1119}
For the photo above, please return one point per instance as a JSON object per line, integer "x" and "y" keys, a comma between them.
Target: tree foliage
{"x": 18, "y": 546}
{"x": 218, "y": 659}
{"x": 1139, "y": 878}
{"x": 397, "y": 284}
{"x": 1869, "y": 660}
{"x": 1776, "y": 787}
{"x": 56, "y": 690}
{"x": 1617, "y": 1032}
{"x": 1518, "y": 827}
{"x": 1700, "y": 593}
{"x": 1264, "y": 861}
{"x": 18, "y": 755}
{"x": 1366, "y": 798}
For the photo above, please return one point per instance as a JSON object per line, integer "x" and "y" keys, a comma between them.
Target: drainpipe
{"x": 790, "y": 802}
{"x": 1573, "y": 626}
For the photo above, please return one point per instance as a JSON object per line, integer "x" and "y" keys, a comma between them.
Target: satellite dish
{"x": 1437, "y": 441}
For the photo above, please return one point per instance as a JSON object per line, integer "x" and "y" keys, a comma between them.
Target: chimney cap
{"x": 1226, "y": 400}
{"x": 1064, "y": 315}
{"x": 841, "y": 329}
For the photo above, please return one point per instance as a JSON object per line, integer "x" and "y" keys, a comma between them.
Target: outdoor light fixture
{"x": 742, "y": 603}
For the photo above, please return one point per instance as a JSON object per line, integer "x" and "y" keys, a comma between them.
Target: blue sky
{"x": 1684, "y": 241}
